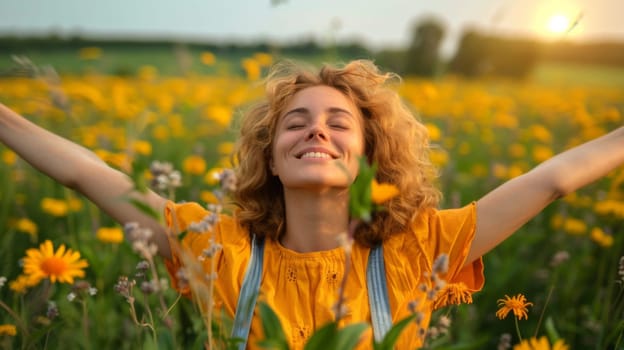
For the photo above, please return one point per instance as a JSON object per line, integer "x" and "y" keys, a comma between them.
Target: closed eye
{"x": 294, "y": 127}
{"x": 339, "y": 126}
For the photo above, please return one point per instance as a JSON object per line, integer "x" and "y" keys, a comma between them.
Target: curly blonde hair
{"x": 394, "y": 139}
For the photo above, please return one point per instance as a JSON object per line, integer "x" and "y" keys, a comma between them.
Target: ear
{"x": 272, "y": 166}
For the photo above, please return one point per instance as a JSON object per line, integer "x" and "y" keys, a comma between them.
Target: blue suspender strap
{"x": 249, "y": 292}
{"x": 378, "y": 293}
{"x": 375, "y": 280}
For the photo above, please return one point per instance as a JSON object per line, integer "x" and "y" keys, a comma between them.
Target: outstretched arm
{"x": 504, "y": 210}
{"x": 80, "y": 169}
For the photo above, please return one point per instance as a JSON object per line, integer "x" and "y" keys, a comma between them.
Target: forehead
{"x": 320, "y": 97}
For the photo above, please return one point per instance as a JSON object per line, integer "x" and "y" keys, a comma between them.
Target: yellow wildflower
{"x": 27, "y": 226}
{"x": 517, "y": 150}
{"x": 212, "y": 176}
{"x": 610, "y": 206}
{"x": 147, "y": 72}
{"x": 54, "y": 207}
{"x": 74, "y": 204}
{"x": 540, "y": 133}
{"x": 505, "y": 120}
{"x": 478, "y": 170}
{"x": 438, "y": 157}
{"x": 142, "y": 147}
{"x": 577, "y": 200}
{"x": 556, "y": 221}
{"x": 263, "y": 58}
{"x": 540, "y": 344}
{"x": 9, "y": 157}
{"x": 434, "y": 132}
{"x": 194, "y": 165}
{"x": 208, "y": 197}
{"x": 453, "y": 294}
{"x": 252, "y": 68}
{"x": 62, "y": 265}
{"x": 110, "y": 234}
{"x": 515, "y": 170}
{"x": 220, "y": 114}
{"x": 381, "y": 193}
{"x": 8, "y": 329}
{"x": 499, "y": 170}
{"x": 574, "y": 226}
{"x": 464, "y": 149}
{"x": 22, "y": 283}
{"x": 117, "y": 160}
{"x": 207, "y": 58}
{"x": 518, "y": 304}
{"x": 225, "y": 148}
{"x": 90, "y": 53}
{"x": 599, "y": 236}
{"x": 541, "y": 153}
{"x": 611, "y": 114}
{"x": 160, "y": 132}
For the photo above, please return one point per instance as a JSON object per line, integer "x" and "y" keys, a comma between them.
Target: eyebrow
{"x": 304, "y": 110}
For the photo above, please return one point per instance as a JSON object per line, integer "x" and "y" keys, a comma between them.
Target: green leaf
{"x": 553, "y": 335}
{"x": 165, "y": 338}
{"x": 360, "y": 204}
{"x": 387, "y": 343}
{"x": 273, "y": 331}
{"x": 349, "y": 336}
{"x": 329, "y": 337}
{"x": 322, "y": 338}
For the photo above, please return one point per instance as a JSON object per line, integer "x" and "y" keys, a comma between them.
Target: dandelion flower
{"x": 540, "y": 344}
{"x": 517, "y": 304}
{"x": 62, "y": 265}
{"x": 8, "y": 329}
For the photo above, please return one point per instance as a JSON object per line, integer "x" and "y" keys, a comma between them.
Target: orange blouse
{"x": 302, "y": 288}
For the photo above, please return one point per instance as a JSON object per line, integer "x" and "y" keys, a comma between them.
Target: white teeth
{"x": 316, "y": 155}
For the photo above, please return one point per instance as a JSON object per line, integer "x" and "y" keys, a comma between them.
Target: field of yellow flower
{"x": 65, "y": 261}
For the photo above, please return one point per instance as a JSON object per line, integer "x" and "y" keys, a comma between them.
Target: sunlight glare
{"x": 558, "y": 23}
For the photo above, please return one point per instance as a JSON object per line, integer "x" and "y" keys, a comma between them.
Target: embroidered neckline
{"x": 336, "y": 253}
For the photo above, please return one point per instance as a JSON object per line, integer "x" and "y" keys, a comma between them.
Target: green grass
{"x": 577, "y": 74}
{"x": 169, "y": 61}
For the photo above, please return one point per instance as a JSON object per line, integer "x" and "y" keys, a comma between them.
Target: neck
{"x": 315, "y": 219}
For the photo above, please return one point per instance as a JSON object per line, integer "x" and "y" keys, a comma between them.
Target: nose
{"x": 316, "y": 131}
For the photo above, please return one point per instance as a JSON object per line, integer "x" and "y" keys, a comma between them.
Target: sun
{"x": 559, "y": 23}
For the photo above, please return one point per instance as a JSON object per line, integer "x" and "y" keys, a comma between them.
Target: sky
{"x": 378, "y": 23}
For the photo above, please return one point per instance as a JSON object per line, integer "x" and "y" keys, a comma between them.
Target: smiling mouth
{"x": 315, "y": 155}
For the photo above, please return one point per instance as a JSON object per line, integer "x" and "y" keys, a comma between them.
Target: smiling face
{"x": 318, "y": 136}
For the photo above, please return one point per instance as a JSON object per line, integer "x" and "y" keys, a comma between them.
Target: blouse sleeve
{"x": 227, "y": 244}
{"x": 178, "y": 217}
{"x": 451, "y": 232}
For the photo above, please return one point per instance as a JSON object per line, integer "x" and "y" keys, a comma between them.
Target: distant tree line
{"x": 477, "y": 54}
{"x": 299, "y": 48}
{"x": 481, "y": 53}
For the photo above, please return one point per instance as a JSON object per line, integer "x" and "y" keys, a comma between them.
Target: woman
{"x": 298, "y": 153}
